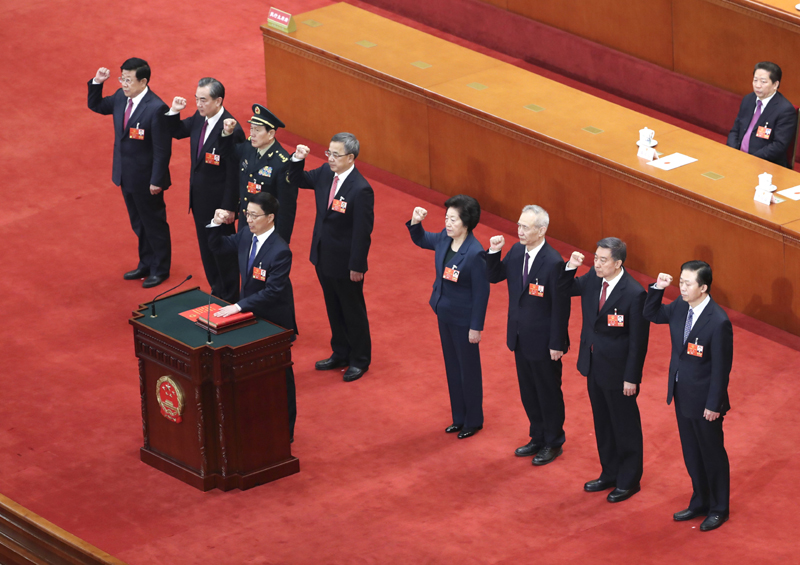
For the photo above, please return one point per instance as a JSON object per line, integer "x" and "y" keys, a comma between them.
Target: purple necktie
{"x": 202, "y": 140}
{"x": 525, "y": 271}
{"x": 749, "y": 132}
{"x": 127, "y": 113}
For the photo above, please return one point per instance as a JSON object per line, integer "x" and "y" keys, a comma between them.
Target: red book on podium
{"x": 218, "y": 325}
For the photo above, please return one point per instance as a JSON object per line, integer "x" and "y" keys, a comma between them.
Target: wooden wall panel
{"x": 784, "y": 293}
{"x": 641, "y": 29}
{"x": 720, "y": 45}
{"x": 505, "y": 173}
{"x": 662, "y": 233}
{"x": 322, "y": 100}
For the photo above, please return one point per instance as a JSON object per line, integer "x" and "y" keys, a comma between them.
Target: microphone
{"x": 208, "y": 322}
{"x": 153, "y": 303}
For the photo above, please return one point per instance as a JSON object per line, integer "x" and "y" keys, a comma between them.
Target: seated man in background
{"x": 767, "y": 121}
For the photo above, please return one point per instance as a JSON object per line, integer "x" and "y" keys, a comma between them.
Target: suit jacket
{"x": 210, "y": 186}
{"x": 535, "y": 324}
{"x": 614, "y": 354}
{"x": 703, "y": 380}
{"x": 138, "y": 163}
{"x": 273, "y": 298}
{"x": 782, "y": 119}
{"x": 462, "y": 303}
{"x": 341, "y": 241}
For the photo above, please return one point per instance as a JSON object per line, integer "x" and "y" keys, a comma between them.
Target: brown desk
{"x": 465, "y": 124}
{"x": 714, "y": 41}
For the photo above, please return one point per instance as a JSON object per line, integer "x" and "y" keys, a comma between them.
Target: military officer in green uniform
{"x": 263, "y": 167}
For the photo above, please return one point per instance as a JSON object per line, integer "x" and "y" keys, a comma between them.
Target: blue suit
{"x": 139, "y": 163}
{"x": 271, "y": 299}
{"x": 779, "y": 116}
{"x": 460, "y": 307}
{"x": 697, "y": 384}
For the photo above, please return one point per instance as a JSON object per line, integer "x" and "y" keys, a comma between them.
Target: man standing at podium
{"x": 767, "y": 122}
{"x": 142, "y": 150}
{"x": 339, "y": 249}
{"x": 212, "y": 178}
{"x": 265, "y": 261}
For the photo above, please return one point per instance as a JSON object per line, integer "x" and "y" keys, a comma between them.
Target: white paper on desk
{"x": 672, "y": 161}
{"x": 792, "y": 193}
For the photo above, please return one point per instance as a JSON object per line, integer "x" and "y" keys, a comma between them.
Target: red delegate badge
{"x": 212, "y": 159}
{"x": 339, "y": 206}
{"x": 259, "y": 274}
{"x": 694, "y": 349}
{"x": 763, "y": 132}
{"x": 450, "y": 274}
{"x": 616, "y": 320}
{"x": 536, "y": 289}
{"x": 137, "y": 133}
{"x": 253, "y": 187}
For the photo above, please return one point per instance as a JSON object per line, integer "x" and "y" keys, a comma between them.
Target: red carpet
{"x": 380, "y": 482}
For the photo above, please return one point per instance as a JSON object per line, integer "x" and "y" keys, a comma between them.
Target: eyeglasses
{"x": 336, "y": 155}
{"x": 125, "y": 81}
{"x": 253, "y": 215}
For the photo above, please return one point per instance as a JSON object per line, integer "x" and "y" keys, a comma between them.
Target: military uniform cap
{"x": 263, "y": 117}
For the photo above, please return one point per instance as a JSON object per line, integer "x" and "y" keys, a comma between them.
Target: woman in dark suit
{"x": 459, "y": 298}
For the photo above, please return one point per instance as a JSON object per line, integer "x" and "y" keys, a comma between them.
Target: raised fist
{"x": 228, "y": 126}
{"x": 178, "y": 104}
{"x": 418, "y": 215}
{"x": 102, "y": 75}
{"x": 221, "y": 216}
{"x": 302, "y": 151}
{"x": 663, "y": 281}
{"x": 576, "y": 259}
{"x": 497, "y": 242}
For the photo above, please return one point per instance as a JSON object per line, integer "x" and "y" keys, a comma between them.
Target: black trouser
{"x": 462, "y": 363}
{"x": 148, "y": 216}
{"x": 618, "y": 430}
{"x": 222, "y": 271}
{"x": 540, "y": 390}
{"x": 706, "y": 460}
{"x": 347, "y": 315}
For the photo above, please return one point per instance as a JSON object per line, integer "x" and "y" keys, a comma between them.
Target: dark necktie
{"x": 525, "y": 271}
{"x": 253, "y": 251}
{"x": 748, "y": 133}
{"x": 687, "y": 329}
{"x": 128, "y": 111}
{"x": 201, "y": 141}
{"x": 603, "y": 296}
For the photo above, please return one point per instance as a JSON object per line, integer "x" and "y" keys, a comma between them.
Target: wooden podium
{"x": 213, "y": 415}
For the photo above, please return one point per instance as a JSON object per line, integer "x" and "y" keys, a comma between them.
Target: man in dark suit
{"x": 339, "y": 249}
{"x": 265, "y": 262}
{"x": 767, "y": 122}
{"x": 263, "y": 167}
{"x": 699, "y": 370}
{"x": 612, "y": 350}
{"x": 212, "y": 178}
{"x": 538, "y": 318}
{"x": 142, "y": 150}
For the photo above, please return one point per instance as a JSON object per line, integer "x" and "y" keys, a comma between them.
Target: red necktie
{"x": 127, "y": 113}
{"x": 333, "y": 189}
{"x": 746, "y": 139}
{"x": 202, "y": 140}
{"x": 603, "y": 296}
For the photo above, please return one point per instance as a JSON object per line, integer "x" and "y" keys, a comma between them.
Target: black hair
{"x": 139, "y": 65}
{"x": 468, "y": 209}
{"x": 703, "y": 271}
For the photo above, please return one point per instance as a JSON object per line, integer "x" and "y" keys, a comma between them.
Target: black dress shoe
{"x": 713, "y": 521}
{"x": 468, "y": 432}
{"x": 453, "y": 429}
{"x": 330, "y": 363}
{"x": 353, "y": 374}
{"x": 618, "y": 494}
{"x": 136, "y": 274}
{"x": 688, "y": 514}
{"x": 154, "y": 280}
{"x": 530, "y": 449}
{"x": 546, "y": 455}
{"x": 598, "y": 485}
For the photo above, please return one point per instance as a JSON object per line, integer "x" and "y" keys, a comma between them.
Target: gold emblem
{"x": 170, "y": 399}
{"x": 258, "y": 110}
